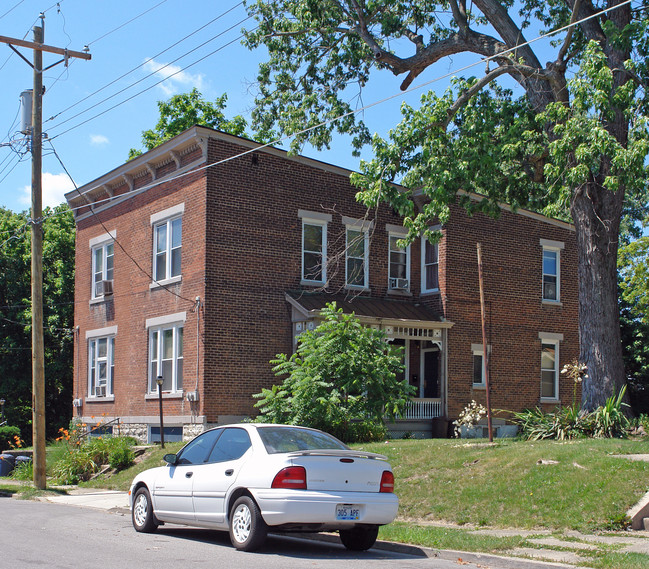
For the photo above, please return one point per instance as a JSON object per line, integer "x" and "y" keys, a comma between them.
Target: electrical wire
{"x": 157, "y": 71}
{"x": 11, "y": 9}
{"x": 115, "y": 240}
{"x": 139, "y": 66}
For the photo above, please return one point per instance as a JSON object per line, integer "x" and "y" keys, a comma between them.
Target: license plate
{"x": 348, "y": 512}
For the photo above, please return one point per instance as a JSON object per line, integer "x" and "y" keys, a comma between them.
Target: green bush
{"x": 23, "y": 471}
{"x": 8, "y": 436}
{"x": 81, "y": 462}
{"x": 607, "y": 421}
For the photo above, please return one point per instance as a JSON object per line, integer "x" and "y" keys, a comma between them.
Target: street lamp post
{"x": 159, "y": 381}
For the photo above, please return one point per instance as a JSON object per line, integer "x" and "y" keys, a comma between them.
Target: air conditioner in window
{"x": 104, "y": 288}
{"x": 399, "y": 284}
{"x": 100, "y": 391}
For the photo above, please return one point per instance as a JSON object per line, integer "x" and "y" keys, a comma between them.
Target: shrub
{"x": 8, "y": 436}
{"x": 23, "y": 471}
{"x": 609, "y": 420}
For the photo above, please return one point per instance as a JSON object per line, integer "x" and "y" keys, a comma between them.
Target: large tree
{"x": 570, "y": 137}
{"x": 15, "y": 317}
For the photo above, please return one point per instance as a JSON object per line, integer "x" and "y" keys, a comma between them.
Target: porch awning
{"x": 371, "y": 311}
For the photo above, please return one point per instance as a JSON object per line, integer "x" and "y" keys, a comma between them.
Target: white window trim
{"x": 398, "y": 235}
{"x": 554, "y": 339}
{"x": 158, "y": 321}
{"x": 94, "y": 336}
{"x": 97, "y": 243}
{"x": 425, "y": 290}
{"x": 102, "y": 239}
{"x": 555, "y": 247}
{"x": 478, "y": 350}
{"x": 314, "y": 216}
{"x": 159, "y": 325}
{"x": 157, "y": 219}
{"x": 166, "y": 214}
{"x": 321, "y": 220}
{"x": 364, "y": 228}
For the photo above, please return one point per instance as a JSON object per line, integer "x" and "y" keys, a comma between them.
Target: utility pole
{"x": 485, "y": 347}
{"x": 38, "y": 349}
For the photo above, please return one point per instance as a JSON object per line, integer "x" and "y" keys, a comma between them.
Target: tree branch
{"x": 560, "y": 62}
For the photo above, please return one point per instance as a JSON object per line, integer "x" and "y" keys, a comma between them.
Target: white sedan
{"x": 254, "y": 478}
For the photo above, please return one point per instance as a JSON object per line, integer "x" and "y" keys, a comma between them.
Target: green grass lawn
{"x": 548, "y": 484}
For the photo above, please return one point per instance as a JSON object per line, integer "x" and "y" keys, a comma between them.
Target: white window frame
{"x": 550, "y": 339}
{"x": 554, "y": 247}
{"x": 321, "y": 220}
{"x": 477, "y": 350}
{"x": 94, "y": 337}
{"x": 363, "y": 228}
{"x": 424, "y": 288}
{"x": 101, "y": 243}
{"x": 165, "y": 219}
{"x": 398, "y": 234}
{"x": 157, "y": 327}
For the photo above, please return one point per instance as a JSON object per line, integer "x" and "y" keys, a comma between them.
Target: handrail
{"x": 99, "y": 426}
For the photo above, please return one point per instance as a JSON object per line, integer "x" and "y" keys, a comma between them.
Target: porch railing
{"x": 423, "y": 409}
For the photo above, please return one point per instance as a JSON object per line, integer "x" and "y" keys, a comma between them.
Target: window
{"x": 167, "y": 239}
{"x": 102, "y": 269}
{"x": 549, "y": 370}
{"x": 314, "y": 251}
{"x": 550, "y": 365}
{"x": 551, "y": 270}
{"x": 399, "y": 264}
{"x": 479, "y": 365}
{"x": 166, "y": 358}
{"x": 429, "y": 266}
{"x": 356, "y": 254}
{"x": 101, "y": 363}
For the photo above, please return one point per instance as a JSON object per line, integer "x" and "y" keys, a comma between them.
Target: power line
{"x": 11, "y": 9}
{"x": 139, "y": 66}
{"x": 140, "y": 92}
{"x": 144, "y": 271}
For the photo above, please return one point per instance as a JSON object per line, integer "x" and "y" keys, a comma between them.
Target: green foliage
{"x": 183, "y": 111}
{"x": 8, "y": 435}
{"x": 82, "y": 461}
{"x": 342, "y": 379}
{"x": 15, "y": 316}
{"x": 23, "y": 471}
{"x": 571, "y": 422}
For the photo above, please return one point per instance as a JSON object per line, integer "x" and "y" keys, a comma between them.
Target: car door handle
{"x": 189, "y": 474}
{"x": 229, "y": 472}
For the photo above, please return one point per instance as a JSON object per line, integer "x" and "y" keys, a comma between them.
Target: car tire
{"x": 142, "y": 514}
{"x": 359, "y": 538}
{"x": 248, "y": 530}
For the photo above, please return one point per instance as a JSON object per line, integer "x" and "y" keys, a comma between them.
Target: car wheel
{"x": 142, "y": 512}
{"x": 248, "y": 530}
{"x": 359, "y": 538}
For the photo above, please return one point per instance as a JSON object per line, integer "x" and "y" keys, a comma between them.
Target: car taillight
{"x": 387, "y": 481}
{"x": 293, "y": 477}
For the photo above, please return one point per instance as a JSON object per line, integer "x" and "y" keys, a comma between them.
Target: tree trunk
{"x": 596, "y": 213}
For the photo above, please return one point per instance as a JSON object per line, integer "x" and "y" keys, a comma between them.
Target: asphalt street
{"x": 62, "y": 536}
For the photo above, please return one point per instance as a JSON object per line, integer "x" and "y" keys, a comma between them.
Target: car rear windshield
{"x": 287, "y": 439}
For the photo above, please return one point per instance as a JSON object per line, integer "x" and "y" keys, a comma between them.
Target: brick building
{"x": 200, "y": 275}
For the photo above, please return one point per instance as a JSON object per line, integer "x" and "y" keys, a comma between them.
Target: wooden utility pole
{"x": 485, "y": 347}
{"x": 38, "y": 349}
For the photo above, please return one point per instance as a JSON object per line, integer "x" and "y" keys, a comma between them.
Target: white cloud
{"x": 98, "y": 139}
{"x": 54, "y": 188}
{"x": 175, "y": 79}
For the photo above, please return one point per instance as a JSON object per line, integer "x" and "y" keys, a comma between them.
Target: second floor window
{"x": 167, "y": 244}
{"x": 550, "y": 274}
{"x": 101, "y": 361}
{"x": 314, "y": 251}
{"x": 429, "y": 266}
{"x": 166, "y": 358}
{"x": 102, "y": 269}
{"x": 356, "y": 257}
{"x": 399, "y": 271}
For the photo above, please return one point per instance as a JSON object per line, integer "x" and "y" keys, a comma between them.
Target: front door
{"x": 430, "y": 374}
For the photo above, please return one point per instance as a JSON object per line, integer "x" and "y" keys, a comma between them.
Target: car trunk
{"x": 341, "y": 470}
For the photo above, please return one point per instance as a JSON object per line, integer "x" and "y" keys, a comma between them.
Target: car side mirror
{"x": 171, "y": 459}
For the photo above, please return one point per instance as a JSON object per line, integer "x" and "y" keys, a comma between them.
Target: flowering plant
{"x": 469, "y": 417}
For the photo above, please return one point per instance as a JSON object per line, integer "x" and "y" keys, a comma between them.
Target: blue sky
{"x": 136, "y": 39}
